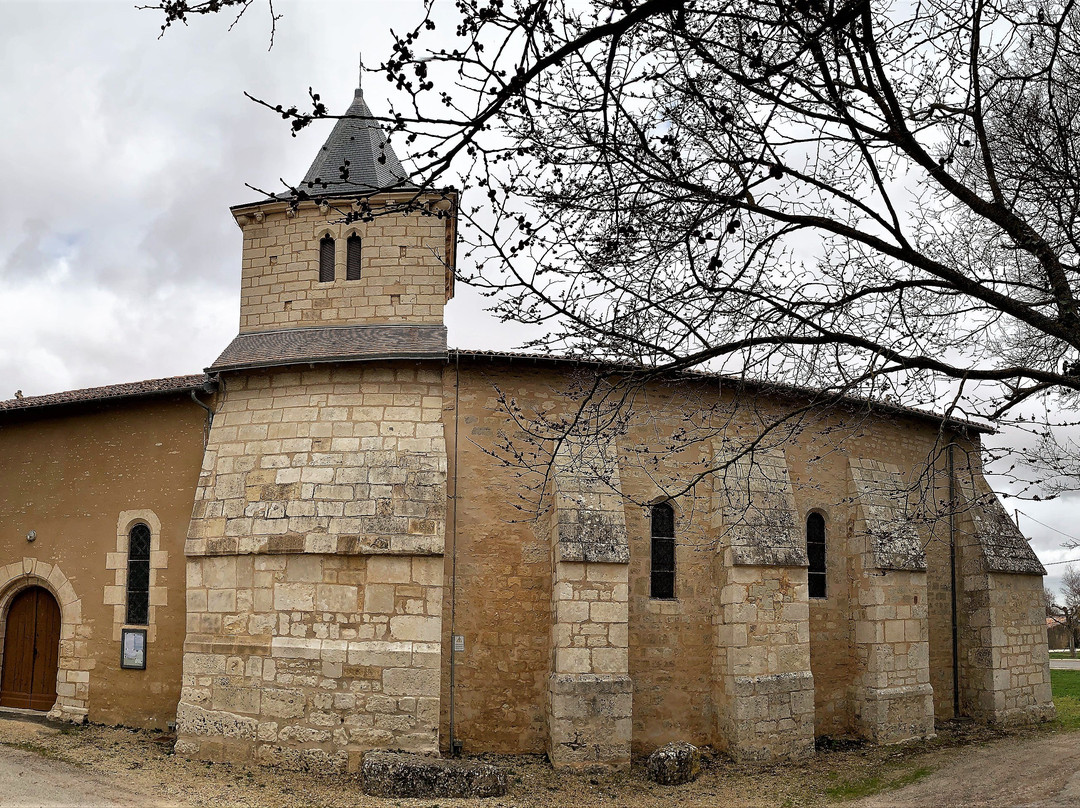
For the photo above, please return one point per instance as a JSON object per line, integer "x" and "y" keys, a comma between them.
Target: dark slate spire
{"x": 372, "y": 164}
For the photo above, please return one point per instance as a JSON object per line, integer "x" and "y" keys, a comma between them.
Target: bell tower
{"x": 315, "y": 549}
{"x": 356, "y": 263}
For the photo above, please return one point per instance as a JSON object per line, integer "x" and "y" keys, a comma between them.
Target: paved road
{"x": 28, "y": 779}
{"x": 1065, "y": 664}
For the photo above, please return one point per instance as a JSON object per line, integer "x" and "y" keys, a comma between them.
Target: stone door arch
{"x": 74, "y": 662}
{"x": 31, "y": 650}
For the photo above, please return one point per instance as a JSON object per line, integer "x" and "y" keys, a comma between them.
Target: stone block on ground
{"x": 395, "y": 774}
{"x": 674, "y": 764}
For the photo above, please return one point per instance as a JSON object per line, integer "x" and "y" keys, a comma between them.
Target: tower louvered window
{"x": 326, "y": 259}
{"x": 815, "y": 551}
{"x": 138, "y": 575}
{"x": 662, "y": 584}
{"x": 352, "y": 258}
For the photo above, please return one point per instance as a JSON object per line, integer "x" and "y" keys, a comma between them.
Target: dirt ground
{"x": 964, "y": 766}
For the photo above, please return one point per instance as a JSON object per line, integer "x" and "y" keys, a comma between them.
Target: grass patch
{"x": 868, "y": 786}
{"x": 1066, "y": 689}
{"x": 1064, "y": 655}
{"x": 33, "y": 748}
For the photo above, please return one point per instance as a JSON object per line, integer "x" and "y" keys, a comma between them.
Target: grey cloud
{"x": 26, "y": 256}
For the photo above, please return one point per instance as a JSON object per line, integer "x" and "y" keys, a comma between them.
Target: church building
{"x": 346, "y": 536}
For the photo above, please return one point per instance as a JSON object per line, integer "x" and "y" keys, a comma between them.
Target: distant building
{"x": 314, "y": 550}
{"x": 1057, "y": 634}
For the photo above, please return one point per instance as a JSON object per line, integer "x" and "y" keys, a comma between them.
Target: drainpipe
{"x": 455, "y": 747}
{"x": 209, "y": 386}
{"x": 952, "y": 571}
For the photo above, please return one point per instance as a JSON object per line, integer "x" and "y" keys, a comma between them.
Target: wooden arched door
{"x": 31, "y": 651}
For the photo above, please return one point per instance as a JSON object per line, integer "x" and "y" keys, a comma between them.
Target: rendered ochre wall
{"x": 69, "y": 475}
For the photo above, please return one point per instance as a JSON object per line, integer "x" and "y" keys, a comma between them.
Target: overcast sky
{"x": 122, "y": 153}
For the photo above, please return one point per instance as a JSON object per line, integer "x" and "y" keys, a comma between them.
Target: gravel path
{"x": 28, "y": 779}
{"x": 965, "y": 766}
{"x": 1038, "y": 772}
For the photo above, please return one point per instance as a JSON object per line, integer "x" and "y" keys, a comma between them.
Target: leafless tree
{"x": 856, "y": 196}
{"x": 1067, "y": 611}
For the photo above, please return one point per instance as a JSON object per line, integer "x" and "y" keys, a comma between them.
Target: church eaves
{"x": 356, "y": 158}
{"x": 112, "y": 392}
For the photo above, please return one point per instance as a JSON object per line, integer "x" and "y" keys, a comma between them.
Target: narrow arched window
{"x": 662, "y": 584}
{"x": 815, "y": 551}
{"x": 352, "y": 258}
{"x": 138, "y": 575}
{"x": 326, "y": 259}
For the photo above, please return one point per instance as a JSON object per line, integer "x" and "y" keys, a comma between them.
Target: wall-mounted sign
{"x": 133, "y": 648}
{"x": 459, "y": 643}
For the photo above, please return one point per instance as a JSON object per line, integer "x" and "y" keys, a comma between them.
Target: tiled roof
{"x": 358, "y": 140}
{"x": 368, "y": 342}
{"x": 150, "y": 387}
{"x": 341, "y": 343}
{"x": 780, "y": 388}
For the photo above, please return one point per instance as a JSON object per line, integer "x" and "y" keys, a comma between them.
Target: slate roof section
{"x": 1004, "y": 548}
{"x": 359, "y": 140}
{"x": 342, "y": 343}
{"x": 150, "y": 387}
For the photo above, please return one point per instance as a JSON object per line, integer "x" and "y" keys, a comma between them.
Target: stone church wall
{"x": 322, "y": 552}
{"x": 71, "y": 475}
{"x": 869, "y": 641}
{"x": 939, "y": 611}
{"x": 314, "y": 568}
{"x": 303, "y": 659}
{"x": 502, "y": 603}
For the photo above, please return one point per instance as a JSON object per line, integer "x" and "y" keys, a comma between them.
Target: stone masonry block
{"x": 589, "y": 719}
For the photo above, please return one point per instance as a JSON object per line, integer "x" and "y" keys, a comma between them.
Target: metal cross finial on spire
{"x": 360, "y": 80}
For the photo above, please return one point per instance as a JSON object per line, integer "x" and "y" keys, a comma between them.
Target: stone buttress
{"x": 590, "y": 694}
{"x": 1002, "y": 651}
{"x": 891, "y": 693}
{"x": 763, "y": 687}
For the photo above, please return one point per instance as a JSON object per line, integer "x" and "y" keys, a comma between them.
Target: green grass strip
{"x": 868, "y": 786}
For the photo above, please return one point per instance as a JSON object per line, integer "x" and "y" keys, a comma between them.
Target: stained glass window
{"x": 815, "y": 551}
{"x": 138, "y": 577}
{"x": 662, "y": 584}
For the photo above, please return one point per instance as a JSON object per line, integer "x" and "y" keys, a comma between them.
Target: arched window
{"x": 326, "y": 259}
{"x": 815, "y": 551}
{"x": 138, "y": 575}
{"x": 662, "y": 584}
{"x": 352, "y": 258}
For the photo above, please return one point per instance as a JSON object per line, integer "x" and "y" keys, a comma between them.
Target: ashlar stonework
{"x": 590, "y": 693}
{"x": 315, "y": 581}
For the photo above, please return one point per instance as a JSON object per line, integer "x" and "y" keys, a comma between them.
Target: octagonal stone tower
{"x": 314, "y": 553}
